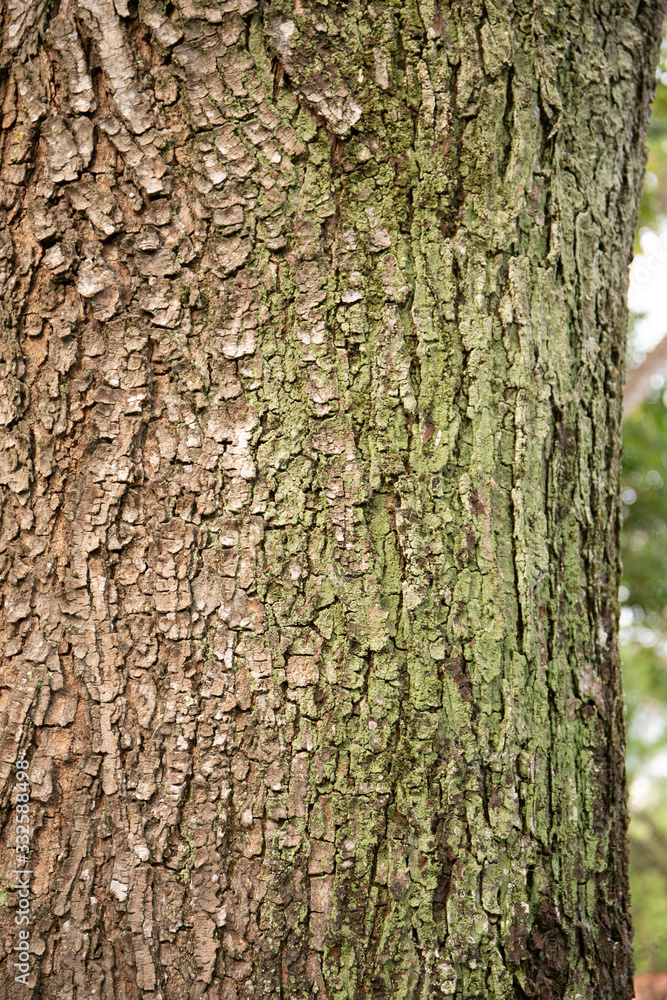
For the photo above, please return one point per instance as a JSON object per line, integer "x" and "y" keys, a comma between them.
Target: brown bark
{"x": 313, "y": 323}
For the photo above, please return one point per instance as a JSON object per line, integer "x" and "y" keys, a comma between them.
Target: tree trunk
{"x": 312, "y": 348}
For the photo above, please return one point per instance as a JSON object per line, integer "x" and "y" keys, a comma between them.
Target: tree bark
{"x": 312, "y": 347}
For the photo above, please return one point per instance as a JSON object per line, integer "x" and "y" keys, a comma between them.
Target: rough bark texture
{"x": 313, "y": 329}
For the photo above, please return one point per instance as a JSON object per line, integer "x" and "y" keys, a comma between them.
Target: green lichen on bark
{"x": 320, "y": 318}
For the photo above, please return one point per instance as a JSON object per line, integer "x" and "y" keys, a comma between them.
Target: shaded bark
{"x": 313, "y": 334}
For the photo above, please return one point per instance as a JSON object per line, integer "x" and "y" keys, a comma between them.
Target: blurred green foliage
{"x": 644, "y": 654}
{"x": 648, "y": 861}
{"x": 653, "y": 207}
{"x": 644, "y": 605}
{"x": 645, "y": 510}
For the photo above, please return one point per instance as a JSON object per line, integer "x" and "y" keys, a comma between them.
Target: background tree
{"x": 314, "y": 328}
{"x": 643, "y": 594}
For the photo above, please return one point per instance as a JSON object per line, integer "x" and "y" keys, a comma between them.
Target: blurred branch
{"x": 638, "y": 382}
{"x": 655, "y": 849}
{"x": 651, "y": 855}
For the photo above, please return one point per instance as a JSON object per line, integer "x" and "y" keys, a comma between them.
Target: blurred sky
{"x": 648, "y": 284}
